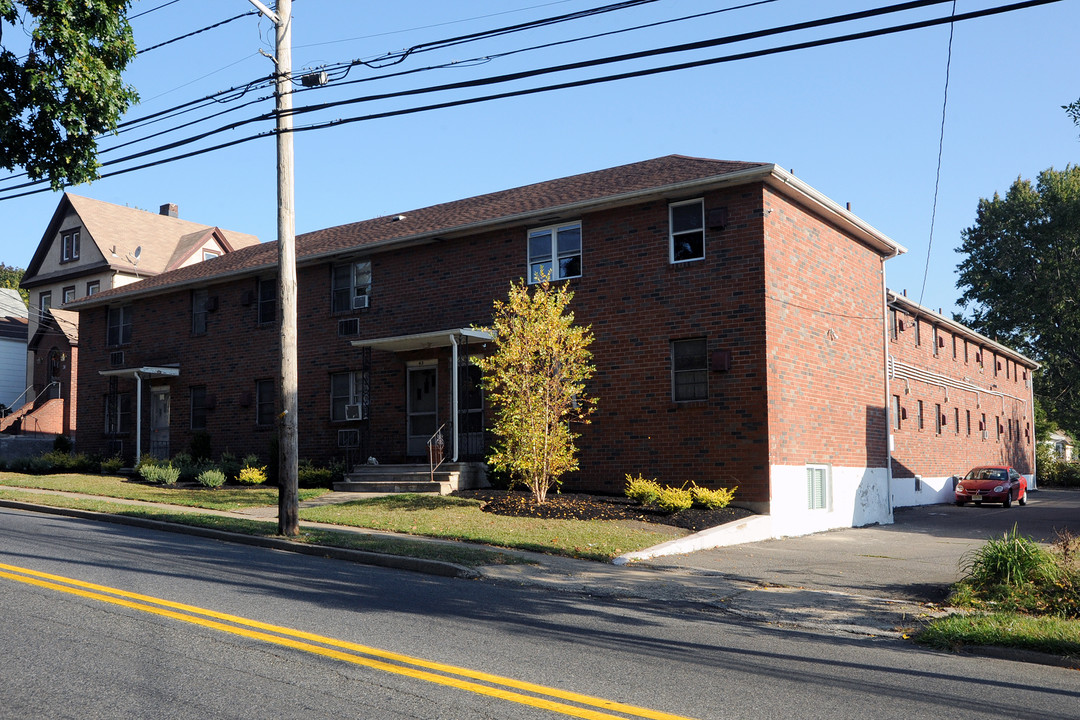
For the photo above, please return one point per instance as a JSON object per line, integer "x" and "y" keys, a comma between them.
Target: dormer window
{"x": 70, "y": 241}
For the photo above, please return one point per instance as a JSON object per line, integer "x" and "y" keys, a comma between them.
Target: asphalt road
{"x": 916, "y": 558}
{"x": 70, "y": 651}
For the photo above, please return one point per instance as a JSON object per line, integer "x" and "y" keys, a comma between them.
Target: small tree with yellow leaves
{"x": 535, "y": 381}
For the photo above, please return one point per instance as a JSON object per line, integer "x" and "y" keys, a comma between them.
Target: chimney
{"x": 170, "y": 210}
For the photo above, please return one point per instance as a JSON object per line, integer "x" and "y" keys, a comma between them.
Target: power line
{"x": 147, "y": 12}
{"x": 196, "y": 32}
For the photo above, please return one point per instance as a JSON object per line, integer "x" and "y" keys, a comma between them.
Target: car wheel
{"x": 1022, "y": 499}
{"x": 1007, "y": 502}
{"x": 959, "y": 503}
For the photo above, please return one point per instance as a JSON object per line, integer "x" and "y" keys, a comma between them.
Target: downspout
{"x": 1034, "y": 484}
{"x": 138, "y": 418}
{"x": 454, "y": 395}
{"x": 885, "y": 329}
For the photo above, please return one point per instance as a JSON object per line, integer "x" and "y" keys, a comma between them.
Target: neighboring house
{"x": 738, "y": 315}
{"x": 958, "y": 400}
{"x": 13, "y": 335}
{"x": 1061, "y": 443}
{"x": 88, "y": 247}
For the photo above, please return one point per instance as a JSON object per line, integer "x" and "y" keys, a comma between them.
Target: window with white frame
{"x": 44, "y": 303}
{"x": 117, "y": 413}
{"x": 347, "y": 400}
{"x": 687, "y": 235}
{"x": 689, "y": 370}
{"x": 93, "y": 287}
{"x": 351, "y": 286}
{"x": 69, "y": 294}
{"x": 817, "y": 487}
{"x": 118, "y": 330}
{"x": 70, "y": 243}
{"x": 555, "y": 252}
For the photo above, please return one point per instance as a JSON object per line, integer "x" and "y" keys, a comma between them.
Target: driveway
{"x": 916, "y": 558}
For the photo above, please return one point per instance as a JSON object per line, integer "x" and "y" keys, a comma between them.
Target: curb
{"x": 1033, "y": 657}
{"x": 397, "y": 562}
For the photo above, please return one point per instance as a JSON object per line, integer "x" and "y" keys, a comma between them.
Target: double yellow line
{"x": 481, "y": 683}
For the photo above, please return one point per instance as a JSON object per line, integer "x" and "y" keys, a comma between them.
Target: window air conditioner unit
{"x": 353, "y": 412}
{"x": 986, "y": 434}
{"x": 348, "y": 328}
{"x": 348, "y": 438}
{"x": 116, "y": 358}
{"x": 359, "y": 302}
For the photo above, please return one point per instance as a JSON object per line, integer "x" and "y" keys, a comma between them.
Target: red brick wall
{"x": 636, "y": 301}
{"x": 826, "y": 363}
{"x": 926, "y": 452}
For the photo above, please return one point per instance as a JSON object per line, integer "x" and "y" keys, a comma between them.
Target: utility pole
{"x": 288, "y": 438}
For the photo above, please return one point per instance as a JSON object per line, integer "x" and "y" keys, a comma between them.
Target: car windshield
{"x": 987, "y": 474}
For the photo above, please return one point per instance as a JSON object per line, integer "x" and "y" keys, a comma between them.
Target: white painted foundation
{"x": 856, "y": 497}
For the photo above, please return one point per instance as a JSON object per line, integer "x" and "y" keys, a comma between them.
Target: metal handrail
{"x": 22, "y": 395}
{"x": 436, "y": 447}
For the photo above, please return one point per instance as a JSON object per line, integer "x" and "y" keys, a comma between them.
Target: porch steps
{"x": 413, "y": 478}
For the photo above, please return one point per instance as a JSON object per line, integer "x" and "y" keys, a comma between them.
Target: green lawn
{"x": 224, "y": 498}
{"x": 422, "y": 515}
{"x": 1056, "y": 636}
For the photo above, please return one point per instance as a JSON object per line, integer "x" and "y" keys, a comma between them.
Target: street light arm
{"x": 266, "y": 11}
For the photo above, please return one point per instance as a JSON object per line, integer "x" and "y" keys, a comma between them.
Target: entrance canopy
{"x": 423, "y": 341}
{"x": 139, "y": 374}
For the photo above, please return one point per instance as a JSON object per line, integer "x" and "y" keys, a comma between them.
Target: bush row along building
{"x": 744, "y": 336}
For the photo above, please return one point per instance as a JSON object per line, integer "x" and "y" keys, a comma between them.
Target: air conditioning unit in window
{"x": 359, "y": 302}
{"x": 353, "y": 412}
{"x": 116, "y": 358}
{"x": 986, "y": 434}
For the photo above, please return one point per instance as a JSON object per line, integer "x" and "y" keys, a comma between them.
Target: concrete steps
{"x": 413, "y": 478}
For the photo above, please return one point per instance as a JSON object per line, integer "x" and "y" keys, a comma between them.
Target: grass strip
{"x": 462, "y": 519}
{"x": 223, "y": 498}
{"x": 1055, "y": 636}
{"x": 468, "y": 556}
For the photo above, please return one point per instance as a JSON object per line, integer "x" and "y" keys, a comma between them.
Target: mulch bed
{"x": 577, "y": 506}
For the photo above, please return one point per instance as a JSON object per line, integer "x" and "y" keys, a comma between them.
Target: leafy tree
{"x": 536, "y": 382}
{"x": 1021, "y": 279}
{"x": 1073, "y": 111}
{"x": 66, "y": 89}
{"x": 10, "y": 277}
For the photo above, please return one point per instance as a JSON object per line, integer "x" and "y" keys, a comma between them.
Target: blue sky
{"x": 858, "y": 120}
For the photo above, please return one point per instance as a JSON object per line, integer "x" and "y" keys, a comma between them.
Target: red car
{"x": 995, "y": 483}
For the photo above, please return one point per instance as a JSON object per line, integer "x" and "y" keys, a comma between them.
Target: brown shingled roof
{"x": 459, "y": 215}
{"x": 13, "y": 328}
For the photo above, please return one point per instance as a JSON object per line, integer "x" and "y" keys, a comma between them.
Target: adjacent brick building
{"x": 738, "y": 315}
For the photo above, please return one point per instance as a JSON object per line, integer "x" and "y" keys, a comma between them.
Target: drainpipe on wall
{"x": 888, "y": 390}
{"x": 138, "y": 418}
{"x": 454, "y": 401}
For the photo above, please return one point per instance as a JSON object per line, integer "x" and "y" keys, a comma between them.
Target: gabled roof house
{"x": 739, "y": 316}
{"x": 90, "y": 246}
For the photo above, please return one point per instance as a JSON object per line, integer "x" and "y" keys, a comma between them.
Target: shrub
{"x": 674, "y": 500}
{"x": 314, "y": 477}
{"x": 211, "y": 478}
{"x": 200, "y": 445}
{"x": 712, "y": 499}
{"x": 646, "y": 492}
{"x": 111, "y": 466}
{"x": 160, "y": 474}
{"x": 229, "y": 465}
{"x": 62, "y": 443}
{"x": 252, "y": 475}
{"x": 251, "y": 460}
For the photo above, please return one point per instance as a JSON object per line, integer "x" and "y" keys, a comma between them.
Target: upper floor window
{"x": 70, "y": 241}
{"x": 199, "y": 311}
{"x": 93, "y": 287}
{"x": 351, "y": 286}
{"x": 267, "y": 300}
{"x": 44, "y": 303}
{"x": 687, "y": 223}
{"x": 689, "y": 370}
{"x": 264, "y": 402}
{"x": 555, "y": 252}
{"x": 119, "y": 326}
{"x": 69, "y": 294}
{"x": 198, "y": 407}
{"x": 893, "y": 324}
{"x": 210, "y": 254}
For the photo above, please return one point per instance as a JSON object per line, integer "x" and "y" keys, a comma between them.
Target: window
{"x": 893, "y": 320}
{"x": 997, "y": 428}
{"x": 965, "y": 352}
{"x": 689, "y": 366}
{"x": 351, "y": 286}
{"x": 920, "y": 416}
{"x": 119, "y": 326}
{"x": 69, "y": 294}
{"x": 267, "y": 300}
{"x": 968, "y": 421}
{"x": 918, "y": 335}
{"x": 93, "y": 288}
{"x": 117, "y": 413}
{"x": 938, "y": 340}
{"x": 199, "y": 311}
{"x": 210, "y": 254}
{"x": 44, "y": 303}
{"x": 956, "y": 419}
{"x": 687, "y": 223}
{"x": 953, "y": 347}
{"x": 937, "y": 418}
{"x": 70, "y": 242}
{"x": 198, "y": 407}
{"x": 347, "y": 396}
{"x": 896, "y": 412}
{"x": 555, "y": 251}
{"x": 995, "y": 363}
{"x": 817, "y": 487}
{"x": 264, "y": 402}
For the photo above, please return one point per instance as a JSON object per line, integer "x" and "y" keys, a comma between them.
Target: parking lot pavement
{"x": 914, "y": 559}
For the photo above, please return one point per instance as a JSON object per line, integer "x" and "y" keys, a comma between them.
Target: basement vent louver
{"x": 116, "y": 358}
{"x": 348, "y": 438}
{"x": 348, "y": 328}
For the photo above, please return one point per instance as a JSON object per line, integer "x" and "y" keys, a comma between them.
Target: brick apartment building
{"x": 738, "y": 316}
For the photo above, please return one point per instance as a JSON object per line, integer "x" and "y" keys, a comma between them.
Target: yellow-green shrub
{"x": 251, "y": 476}
{"x": 674, "y": 500}
{"x": 641, "y": 489}
{"x": 713, "y": 499}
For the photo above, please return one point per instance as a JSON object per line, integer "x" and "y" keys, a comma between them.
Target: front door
{"x": 159, "y": 423}
{"x": 422, "y": 408}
